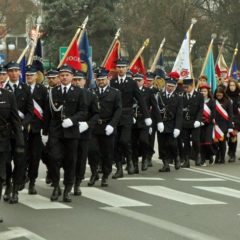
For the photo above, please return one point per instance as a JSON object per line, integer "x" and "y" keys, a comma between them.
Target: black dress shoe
{"x": 66, "y": 194}
{"x": 177, "y": 163}
{"x": 119, "y": 172}
{"x": 93, "y": 179}
{"x": 164, "y": 169}
{"x": 14, "y": 198}
{"x": 150, "y": 162}
{"x": 7, "y": 193}
{"x": 144, "y": 164}
{"x": 1, "y": 220}
{"x": 55, "y": 194}
{"x": 77, "y": 191}
{"x": 104, "y": 182}
{"x": 186, "y": 164}
{"x": 48, "y": 179}
{"x": 31, "y": 189}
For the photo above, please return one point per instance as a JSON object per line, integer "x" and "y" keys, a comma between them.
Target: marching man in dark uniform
{"x": 170, "y": 104}
{"x": 67, "y": 106}
{"x": 102, "y": 141}
{"x": 150, "y": 77}
{"x": 34, "y": 148}
{"x": 9, "y": 121}
{"x": 3, "y": 76}
{"x": 140, "y": 132}
{"x": 129, "y": 91}
{"x": 193, "y": 103}
{"x": 85, "y": 129}
{"x": 25, "y": 111}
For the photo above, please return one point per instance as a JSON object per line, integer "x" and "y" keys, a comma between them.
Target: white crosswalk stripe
{"x": 201, "y": 179}
{"x": 39, "y": 202}
{"x": 221, "y": 190}
{"x": 110, "y": 199}
{"x": 175, "y": 195}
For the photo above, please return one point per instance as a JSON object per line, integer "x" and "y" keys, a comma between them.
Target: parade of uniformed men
{"x": 125, "y": 136}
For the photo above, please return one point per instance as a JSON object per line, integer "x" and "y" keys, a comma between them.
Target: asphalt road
{"x": 196, "y": 203}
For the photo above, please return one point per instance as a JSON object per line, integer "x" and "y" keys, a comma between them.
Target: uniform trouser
{"x": 19, "y": 161}
{"x": 140, "y": 142}
{"x": 34, "y": 152}
{"x": 152, "y": 140}
{"x": 232, "y": 146}
{"x": 81, "y": 160}
{"x": 188, "y": 135}
{"x": 45, "y": 156}
{"x": 101, "y": 146}
{"x": 123, "y": 146}
{"x": 3, "y": 160}
{"x": 168, "y": 146}
{"x": 62, "y": 152}
{"x": 221, "y": 147}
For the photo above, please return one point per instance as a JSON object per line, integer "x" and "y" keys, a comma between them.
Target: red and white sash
{"x": 218, "y": 134}
{"x": 206, "y": 111}
{"x": 37, "y": 110}
{"x": 221, "y": 111}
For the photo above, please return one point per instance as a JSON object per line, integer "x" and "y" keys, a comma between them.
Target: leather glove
{"x": 148, "y": 121}
{"x": 176, "y": 133}
{"x": 67, "y": 123}
{"x": 150, "y": 131}
{"x": 197, "y": 124}
{"x": 83, "y": 126}
{"x": 109, "y": 130}
{"x": 160, "y": 127}
{"x": 134, "y": 120}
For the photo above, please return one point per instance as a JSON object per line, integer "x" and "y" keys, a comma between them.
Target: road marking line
{"x": 17, "y": 232}
{"x": 39, "y": 202}
{"x": 141, "y": 178}
{"x": 221, "y": 190}
{"x": 179, "y": 230}
{"x": 201, "y": 179}
{"x": 110, "y": 199}
{"x": 214, "y": 174}
{"x": 175, "y": 195}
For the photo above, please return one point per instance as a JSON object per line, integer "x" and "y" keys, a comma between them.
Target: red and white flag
{"x": 222, "y": 68}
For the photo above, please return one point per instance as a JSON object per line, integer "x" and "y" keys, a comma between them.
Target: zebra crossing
{"x": 156, "y": 187}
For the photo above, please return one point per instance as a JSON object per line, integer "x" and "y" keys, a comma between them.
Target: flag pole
{"x": 160, "y": 49}
{"x": 220, "y": 51}
{"x": 111, "y": 47}
{"x": 208, "y": 52}
{"x": 82, "y": 31}
{"x": 193, "y": 21}
{"x": 77, "y": 34}
{"x": 140, "y": 51}
{"x": 233, "y": 59}
{"x": 23, "y": 54}
{"x": 33, "y": 46}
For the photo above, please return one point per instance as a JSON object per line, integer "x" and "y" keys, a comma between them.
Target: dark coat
{"x": 74, "y": 106}
{"x": 129, "y": 90}
{"x": 10, "y": 121}
{"x": 110, "y": 104}
{"x": 171, "y": 111}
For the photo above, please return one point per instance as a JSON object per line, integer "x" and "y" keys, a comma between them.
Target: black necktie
{"x": 121, "y": 80}
{"x": 101, "y": 90}
{"x": 189, "y": 95}
{"x": 168, "y": 95}
{"x": 14, "y": 87}
{"x": 64, "y": 92}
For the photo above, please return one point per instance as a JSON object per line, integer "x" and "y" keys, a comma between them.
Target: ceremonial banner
{"x": 221, "y": 67}
{"x": 113, "y": 56}
{"x": 73, "y": 57}
{"x": 209, "y": 71}
{"x": 86, "y": 58}
{"x": 182, "y": 63}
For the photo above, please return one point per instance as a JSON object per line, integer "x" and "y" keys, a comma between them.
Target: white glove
{"x": 230, "y": 130}
{"x": 160, "y": 127}
{"x": 150, "y": 131}
{"x": 148, "y": 121}
{"x": 44, "y": 139}
{"x": 176, "y": 133}
{"x": 134, "y": 120}
{"x": 83, "y": 126}
{"x": 21, "y": 115}
{"x": 109, "y": 130}
{"x": 197, "y": 124}
{"x": 67, "y": 123}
